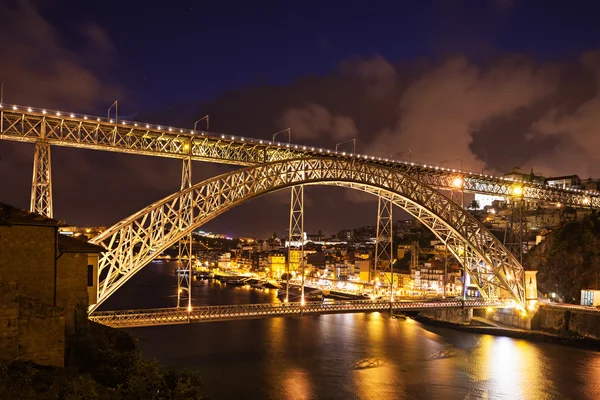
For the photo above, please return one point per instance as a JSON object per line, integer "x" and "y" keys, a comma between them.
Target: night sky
{"x": 496, "y": 83}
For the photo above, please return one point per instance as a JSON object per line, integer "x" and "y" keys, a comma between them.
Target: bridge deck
{"x": 27, "y": 124}
{"x": 173, "y": 316}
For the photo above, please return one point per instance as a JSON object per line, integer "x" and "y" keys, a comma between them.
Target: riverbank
{"x": 516, "y": 333}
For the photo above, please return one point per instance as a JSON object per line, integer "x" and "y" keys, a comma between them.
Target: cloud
{"x": 39, "y": 69}
{"x": 576, "y": 130}
{"x": 440, "y": 110}
{"x": 377, "y": 72}
{"x": 314, "y": 121}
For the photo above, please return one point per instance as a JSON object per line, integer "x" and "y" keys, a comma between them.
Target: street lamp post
{"x": 202, "y": 119}
{"x": 289, "y": 132}
{"x": 347, "y": 141}
{"x": 116, "y": 106}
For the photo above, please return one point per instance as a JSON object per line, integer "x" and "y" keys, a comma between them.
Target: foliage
{"x": 101, "y": 363}
{"x": 25, "y": 380}
{"x": 568, "y": 260}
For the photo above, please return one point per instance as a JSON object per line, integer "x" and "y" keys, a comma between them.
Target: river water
{"x": 348, "y": 356}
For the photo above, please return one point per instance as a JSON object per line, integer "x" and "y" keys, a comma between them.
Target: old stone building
{"x": 47, "y": 281}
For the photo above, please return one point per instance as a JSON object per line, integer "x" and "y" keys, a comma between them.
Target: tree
{"x": 474, "y": 205}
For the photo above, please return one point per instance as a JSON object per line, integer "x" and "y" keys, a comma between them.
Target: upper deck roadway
{"x": 28, "y": 124}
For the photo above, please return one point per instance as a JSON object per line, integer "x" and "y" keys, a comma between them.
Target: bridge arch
{"x": 135, "y": 241}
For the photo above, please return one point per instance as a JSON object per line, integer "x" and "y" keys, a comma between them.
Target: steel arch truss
{"x": 135, "y": 241}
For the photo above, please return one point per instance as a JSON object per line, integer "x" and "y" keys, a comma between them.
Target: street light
{"x": 289, "y": 132}
{"x": 347, "y": 141}
{"x": 116, "y": 106}
{"x": 517, "y": 191}
{"x": 457, "y": 182}
{"x": 202, "y": 119}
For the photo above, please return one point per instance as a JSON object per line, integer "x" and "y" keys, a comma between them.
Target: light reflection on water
{"x": 351, "y": 356}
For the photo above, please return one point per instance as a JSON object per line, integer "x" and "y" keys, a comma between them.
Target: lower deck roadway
{"x": 173, "y": 316}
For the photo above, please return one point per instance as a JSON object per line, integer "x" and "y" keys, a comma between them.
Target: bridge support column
{"x": 384, "y": 249}
{"x": 296, "y": 236}
{"x": 184, "y": 274}
{"x": 41, "y": 184}
{"x": 516, "y": 229}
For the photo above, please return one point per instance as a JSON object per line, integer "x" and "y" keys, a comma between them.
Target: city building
{"x": 47, "y": 282}
{"x": 563, "y": 182}
{"x": 276, "y": 265}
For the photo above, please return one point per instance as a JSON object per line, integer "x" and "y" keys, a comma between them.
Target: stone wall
{"x": 27, "y": 257}
{"x": 454, "y": 316}
{"x": 30, "y": 330}
{"x": 71, "y": 288}
{"x": 41, "y": 333}
{"x": 568, "y": 322}
{"x": 9, "y": 321}
{"x": 507, "y": 316}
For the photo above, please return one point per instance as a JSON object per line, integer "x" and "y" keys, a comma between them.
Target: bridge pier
{"x": 384, "y": 248}
{"x": 184, "y": 275}
{"x": 296, "y": 235}
{"x": 41, "y": 184}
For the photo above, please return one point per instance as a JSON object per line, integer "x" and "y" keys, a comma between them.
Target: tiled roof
{"x": 10, "y": 215}
{"x": 67, "y": 244}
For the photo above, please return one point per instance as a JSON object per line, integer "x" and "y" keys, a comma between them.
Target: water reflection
{"x": 354, "y": 356}
{"x": 297, "y": 385}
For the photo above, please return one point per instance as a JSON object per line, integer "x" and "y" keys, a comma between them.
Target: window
{"x": 90, "y": 275}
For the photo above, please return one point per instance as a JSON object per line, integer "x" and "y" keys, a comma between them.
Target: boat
{"x": 205, "y": 275}
{"x": 257, "y": 283}
{"x": 238, "y": 281}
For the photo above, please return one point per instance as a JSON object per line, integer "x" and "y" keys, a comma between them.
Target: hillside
{"x": 568, "y": 260}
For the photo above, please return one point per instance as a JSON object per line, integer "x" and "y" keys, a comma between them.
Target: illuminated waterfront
{"x": 349, "y": 355}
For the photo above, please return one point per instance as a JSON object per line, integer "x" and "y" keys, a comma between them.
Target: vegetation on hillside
{"x": 101, "y": 363}
{"x": 568, "y": 260}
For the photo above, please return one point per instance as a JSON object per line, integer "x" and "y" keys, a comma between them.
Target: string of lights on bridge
{"x": 457, "y": 182}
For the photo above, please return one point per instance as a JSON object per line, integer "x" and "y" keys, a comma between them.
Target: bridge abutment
{"x": 461, "y": 316}
{"x": 508, "y": 316}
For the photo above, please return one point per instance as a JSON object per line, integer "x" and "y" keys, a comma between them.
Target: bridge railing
{"x": 166, "y": 316}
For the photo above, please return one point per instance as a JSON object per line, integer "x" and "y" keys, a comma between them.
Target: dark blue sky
{"x": 168, "y": 51}
{"x": 495, "y": 83}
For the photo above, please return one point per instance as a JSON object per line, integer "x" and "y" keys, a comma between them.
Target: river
{"x": 348, "y": 356}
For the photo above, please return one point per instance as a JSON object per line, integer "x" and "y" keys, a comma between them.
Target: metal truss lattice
{"x": 64, "y": 129}
{"x": 384, "y": 248}
{"x": 184, "y": 274}
{"x": 296, "y": 237}
{"x": 515, "y": 234}
{"x": 134, "y": 242}
{"x": 41, "y": 184}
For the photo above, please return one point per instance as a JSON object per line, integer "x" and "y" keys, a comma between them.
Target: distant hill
{"x": 568, "y": 260}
